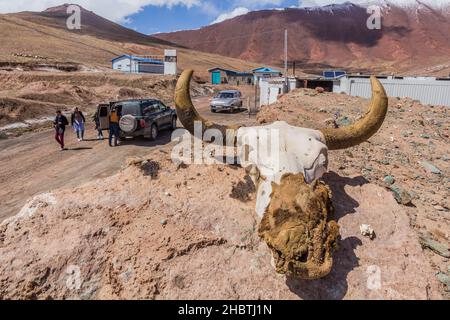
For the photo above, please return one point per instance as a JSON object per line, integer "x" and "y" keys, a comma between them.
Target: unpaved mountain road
{"x": 32, "y": 164}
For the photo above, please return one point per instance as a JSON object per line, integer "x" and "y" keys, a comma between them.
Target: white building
{"x": 272, "y": 88}
{"x": 265, "y": 73}
{"x": 147, "y": 64}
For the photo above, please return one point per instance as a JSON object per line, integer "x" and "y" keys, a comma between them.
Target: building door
{"x": 216, "y": 77}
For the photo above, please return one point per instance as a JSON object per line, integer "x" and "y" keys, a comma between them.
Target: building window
{"x": 170, "y": 59}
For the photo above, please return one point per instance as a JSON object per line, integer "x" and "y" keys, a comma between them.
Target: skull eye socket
{"x": 318, "y": 168}
{"x": 303, "y": 258}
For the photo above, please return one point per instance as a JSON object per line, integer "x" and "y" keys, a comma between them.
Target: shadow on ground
{"x": 79, "y": 149}
{"x": 163, "y": 139}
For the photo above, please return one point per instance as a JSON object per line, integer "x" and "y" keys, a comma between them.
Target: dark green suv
{"x": 139, "y": 117}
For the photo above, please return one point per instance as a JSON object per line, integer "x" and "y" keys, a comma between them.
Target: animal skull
{"x": 279, "y": 149}
{"x": 286, "y": 163}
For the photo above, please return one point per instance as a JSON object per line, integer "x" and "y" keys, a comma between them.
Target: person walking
{"x": 77, "y": 121}
{"x": 114, "y": 128}
{"x": 96, "y": 119}
{"x": 60, "y": 124}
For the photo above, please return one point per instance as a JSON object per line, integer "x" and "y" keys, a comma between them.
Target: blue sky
{"x": 153, "y": 19}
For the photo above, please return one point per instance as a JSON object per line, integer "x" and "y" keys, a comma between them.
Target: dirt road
{"x": 32, "y": 164}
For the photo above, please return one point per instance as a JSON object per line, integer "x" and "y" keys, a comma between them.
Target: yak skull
{"x": 270, "y": 152}
{"x": 286, "y": 163}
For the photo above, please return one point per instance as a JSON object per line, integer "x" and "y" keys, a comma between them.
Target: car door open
{"x": 103, "y": 116}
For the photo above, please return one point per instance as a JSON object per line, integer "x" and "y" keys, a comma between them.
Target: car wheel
{"x": 128, "y": 124}
{"x": 154, "y": 132}
{"x": 174, "y": 123}
{"x": 213, "y": 110}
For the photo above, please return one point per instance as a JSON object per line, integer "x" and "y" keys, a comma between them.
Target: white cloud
{"x": 245, "y": 6}
{"x": 115, "y": 10}
{"x": 258, "y": 3}
{"x": 239, "y": 11}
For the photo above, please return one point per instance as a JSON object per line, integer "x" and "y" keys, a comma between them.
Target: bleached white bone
{"x": 278, "y": 149}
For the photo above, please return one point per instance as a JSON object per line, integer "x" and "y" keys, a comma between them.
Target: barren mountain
{"x": 41, "y": 39}
{"x": 413, "y": 39}
{"x": 93, "y": 25}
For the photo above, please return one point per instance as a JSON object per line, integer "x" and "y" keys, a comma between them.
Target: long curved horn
{"x": 365, "y": 128}
{"x": 186, "y": 111}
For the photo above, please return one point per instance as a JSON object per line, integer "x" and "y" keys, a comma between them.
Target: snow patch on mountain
{"x": 345, "y": 4}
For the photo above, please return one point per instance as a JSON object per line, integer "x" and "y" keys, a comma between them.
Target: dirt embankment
{"x": 158, "y": 230}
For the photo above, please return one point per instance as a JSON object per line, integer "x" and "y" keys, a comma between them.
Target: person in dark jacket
{"x": 60, "y": 124}
{"x": 96, "y": 119}
{"x": 77, "y": 121}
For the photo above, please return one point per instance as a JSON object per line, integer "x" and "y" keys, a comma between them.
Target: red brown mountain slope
{"x": 411, "y": 38}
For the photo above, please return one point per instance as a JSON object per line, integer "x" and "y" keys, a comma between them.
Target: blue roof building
{"x": 226, "y": 76}
{"x": 221, "y": 75}
{"x": 265, "y": 72}
{"x": 134, "y": 64}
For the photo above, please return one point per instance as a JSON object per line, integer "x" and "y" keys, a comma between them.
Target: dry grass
{"x": 23, "y": 33}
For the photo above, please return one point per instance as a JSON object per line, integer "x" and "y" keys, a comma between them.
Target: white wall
{"x": 125, "y": 64}
{"x": 425, "y": 90}
{"x": 270, "y": 89}
{"x": 170, "y": 67}
{"x": 122, "y": 64}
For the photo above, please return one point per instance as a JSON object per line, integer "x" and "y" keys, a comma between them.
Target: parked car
{"x": 139, "y": 117}
{"x": 230, "y": 100}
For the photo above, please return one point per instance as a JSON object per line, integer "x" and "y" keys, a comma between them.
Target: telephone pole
{"x": 286, "y": 84}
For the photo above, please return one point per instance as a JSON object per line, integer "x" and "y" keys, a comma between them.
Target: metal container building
{"x": 427, "y": 90}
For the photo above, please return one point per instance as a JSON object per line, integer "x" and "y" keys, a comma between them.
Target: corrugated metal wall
{"x": 151, "y": 68}
{"x": 429, "y": 91}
